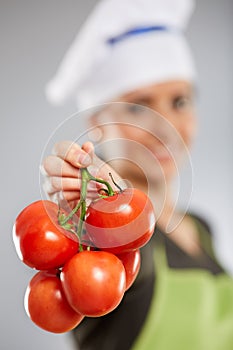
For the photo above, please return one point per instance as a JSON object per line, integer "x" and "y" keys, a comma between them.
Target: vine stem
{"x": 82, "y": 202}
{"x": 85, "y": 178}
{"x": 109, "y": 188}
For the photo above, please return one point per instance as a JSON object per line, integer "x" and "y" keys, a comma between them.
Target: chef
{"x": 134, "y": 53}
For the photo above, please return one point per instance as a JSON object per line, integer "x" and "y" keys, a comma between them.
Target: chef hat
{"x": 124, "y": 45}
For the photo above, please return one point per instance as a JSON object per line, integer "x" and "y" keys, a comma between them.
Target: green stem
{"x": 83, "y": 195}
{"x": 92, "y": 178}
{"x": 85, "y": 178}
{"x": 71, "y": 214}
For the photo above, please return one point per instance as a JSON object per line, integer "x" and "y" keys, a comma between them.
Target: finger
{"x": 102, "y": 170}
{"x": 56, "y": 184}
{"x": 55, "y": 166}
{"x": 70, "y": 196}
{"x": 72, "y": 153}
{"x": 88, "y": 147}
{"x": 65, "y": 203}
{"x": 69, "y": 199}
{"x": 70, "y": 205}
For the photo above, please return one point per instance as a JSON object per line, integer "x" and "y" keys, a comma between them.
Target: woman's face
{"x": 172, "y": 100}
{"x": 161, "y": 139}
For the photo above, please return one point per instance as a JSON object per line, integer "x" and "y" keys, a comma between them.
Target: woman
{"x": 140, "y": 58}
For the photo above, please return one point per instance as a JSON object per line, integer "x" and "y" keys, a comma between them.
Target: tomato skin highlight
{"x": 93, "y": 282}
{"x": 46, "y": 305}
{"x": 40, "y": 241}
{"x": 132, "y": 262}
{"x": 122, "y": 222}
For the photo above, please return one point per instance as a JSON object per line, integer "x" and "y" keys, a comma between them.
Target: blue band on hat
{"x": 135, "y": 31}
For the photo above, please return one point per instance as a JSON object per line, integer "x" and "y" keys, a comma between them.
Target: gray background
{"x": 34, "y": 36}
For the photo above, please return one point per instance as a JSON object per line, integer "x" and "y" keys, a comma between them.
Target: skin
{"x": 174, "y": 100}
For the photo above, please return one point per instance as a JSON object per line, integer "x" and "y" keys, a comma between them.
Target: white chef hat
{"x": 124, "y": 45}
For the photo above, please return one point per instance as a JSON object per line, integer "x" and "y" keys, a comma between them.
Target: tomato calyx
{"x": 104, "y": 193}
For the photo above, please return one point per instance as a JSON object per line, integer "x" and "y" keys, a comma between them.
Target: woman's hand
{"x": 62, "y": 180}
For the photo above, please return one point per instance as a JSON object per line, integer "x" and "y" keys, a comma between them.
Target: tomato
{"x": 93, "y": 282}
{"x": 40, "y": 241}
{"x": 131, "y": 261}
{"x": 47, "y": 306}
{"x": 122, "y": 222}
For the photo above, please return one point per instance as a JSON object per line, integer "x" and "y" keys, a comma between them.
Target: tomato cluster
{"x": 76, "y": 279}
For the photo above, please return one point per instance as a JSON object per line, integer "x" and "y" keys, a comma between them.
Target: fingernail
{"x": 84, "y": 159}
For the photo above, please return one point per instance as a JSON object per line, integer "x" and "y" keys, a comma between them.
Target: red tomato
{"x": 122, "y": 222}
{"x": 40, "y": 241}
{"x": 93, "y": 282}
{"x": 47, "y": 306}
{"x": 131, "y": 261}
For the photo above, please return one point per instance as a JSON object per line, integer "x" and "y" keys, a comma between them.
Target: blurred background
{"x": 34, "y": 36}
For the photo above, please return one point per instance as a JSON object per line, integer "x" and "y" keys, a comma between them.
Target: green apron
{"x": 191, "y": 310}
